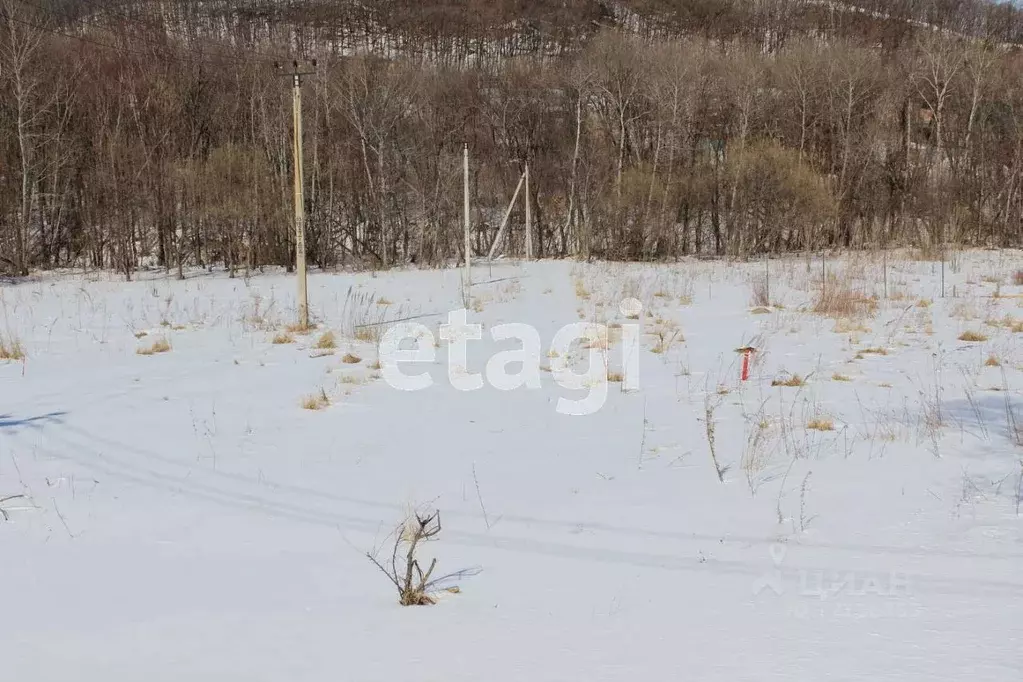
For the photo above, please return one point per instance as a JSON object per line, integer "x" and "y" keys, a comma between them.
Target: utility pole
{"x": 296, "y": 111}
{"x": 529, "y": 219}
{"x": 466, "y": 291}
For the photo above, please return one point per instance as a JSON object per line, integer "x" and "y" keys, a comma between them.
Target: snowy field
{"x": 174, "y": 511}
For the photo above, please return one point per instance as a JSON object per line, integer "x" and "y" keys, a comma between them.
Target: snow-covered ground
{"x": 183, "y": 517}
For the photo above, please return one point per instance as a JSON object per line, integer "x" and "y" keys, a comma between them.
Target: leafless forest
{"x": 157, "y": 133}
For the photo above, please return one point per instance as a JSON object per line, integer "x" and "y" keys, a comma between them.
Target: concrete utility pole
{"x": 466, "y": 291}
{"x": 300, "y": 269}
{"x": 529, "y": 218}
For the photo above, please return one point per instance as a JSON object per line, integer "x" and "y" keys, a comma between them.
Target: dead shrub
{"x": 992, "y": 361}
{"x": 350, "y": 359}
{"x": 281, "y": 338}
{"x": 710, "y": 427}
{"x": 404, "y": 571}
{"x": 1017, "y": 278}
{"x": 760, "y": 292}
{"x": 757, "y": 455}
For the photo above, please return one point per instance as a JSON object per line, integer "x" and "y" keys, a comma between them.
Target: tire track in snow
{"x": 248, "y": 500}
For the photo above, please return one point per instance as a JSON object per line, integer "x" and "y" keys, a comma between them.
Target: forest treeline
{"x": 158, "y": 133}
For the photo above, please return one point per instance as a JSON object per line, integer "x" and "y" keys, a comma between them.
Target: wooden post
{"x": 824, "y": 274}
{"x": 884, "y": 267}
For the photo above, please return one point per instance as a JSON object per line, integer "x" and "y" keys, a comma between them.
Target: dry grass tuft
{"x": 615, "y": 377}
{"x": 351, "y": 359}
{"x": 666, "y": 338}
{"x": 316, "y": 401}
{"x": 838, "y": 299}
{"x": 580, "y": 289}
{"x": 384, "y": 301}
{"x": 281, "y": 338}
{"x": 760, "y": 292}
{"x": 973, "y": 336}
{"x": 11, "y": 349}
{"x": 141, "y": 334}
{"x": 966, "y": 310}
{"x": 300, "y": 329}
{"x": 160, "y": 345}
{"x": 876, "y": 350}
{"x": 1008, "y": 322}
{"x": 840, "y": 377}
{"x": 992, "y": 361}
{"x": 369, "y": 333}
{"x": 821, "y": 424}
{"x": 327, "y": 341}
{"x": 846, "y": 326}
{"x": 792, "y": 381}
